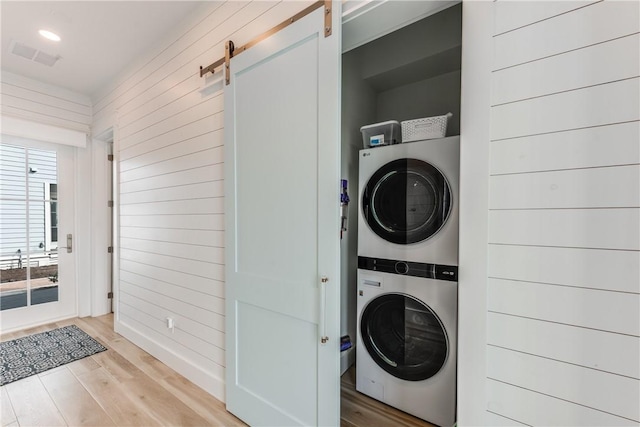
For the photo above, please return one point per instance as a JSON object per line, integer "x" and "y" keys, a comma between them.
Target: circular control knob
{"x": 402, "y": 267}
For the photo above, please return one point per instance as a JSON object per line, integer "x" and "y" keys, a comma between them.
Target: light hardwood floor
{"x": 127, "y": 386}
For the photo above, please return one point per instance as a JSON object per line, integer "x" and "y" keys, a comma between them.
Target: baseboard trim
{"x": 38, "y": 323}
{"x": 205, "y": 380}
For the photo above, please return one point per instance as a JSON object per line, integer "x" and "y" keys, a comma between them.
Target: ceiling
{"x": 99, "y": 38}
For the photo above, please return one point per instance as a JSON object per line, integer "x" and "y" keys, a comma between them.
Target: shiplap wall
{"x": 43, "y": 103}
{"x": 169, "y": 149}
{"x": 563, "y": 298}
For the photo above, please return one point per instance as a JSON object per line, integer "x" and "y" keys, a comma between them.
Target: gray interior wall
{"x": 436, "y": 96}
{"x": 358, "y": 109}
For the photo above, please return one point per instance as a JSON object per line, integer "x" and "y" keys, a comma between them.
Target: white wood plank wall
{"x": 169, "y": 148}
{"x": 563, "y": 298}
{"x": 40, "y": 102}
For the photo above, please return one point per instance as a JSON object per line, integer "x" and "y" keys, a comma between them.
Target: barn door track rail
{"x": 230, "y": 50}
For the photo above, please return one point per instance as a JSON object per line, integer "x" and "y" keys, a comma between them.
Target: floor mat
{"x": 40, "y": 352}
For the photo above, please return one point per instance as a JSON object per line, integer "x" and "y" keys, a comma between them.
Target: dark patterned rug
{"x": 37, "y": 353}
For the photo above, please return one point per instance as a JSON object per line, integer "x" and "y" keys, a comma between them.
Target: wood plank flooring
{"x": 126, "y": 386}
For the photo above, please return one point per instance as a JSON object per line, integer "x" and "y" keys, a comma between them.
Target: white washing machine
{"x": 408, "y": 197}
{"x": 407, "y": 338}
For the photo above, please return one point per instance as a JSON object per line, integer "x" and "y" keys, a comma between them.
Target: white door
{"x": 282, "y": 178}
{"x": 37, "y": 271}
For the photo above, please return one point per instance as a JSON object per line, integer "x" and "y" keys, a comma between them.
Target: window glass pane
{"x": 13, "y": 163}
{"x": 13, "y": 254}
{"x": 43, "y": 258}
{"x": 43, "y": 171}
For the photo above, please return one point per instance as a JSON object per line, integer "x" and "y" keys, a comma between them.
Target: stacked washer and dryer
{"x": 407, "y": 277}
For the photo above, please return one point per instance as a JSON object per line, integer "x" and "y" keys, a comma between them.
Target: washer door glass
{"x": 406, "y": 201}
{"x": 404, "y": 337}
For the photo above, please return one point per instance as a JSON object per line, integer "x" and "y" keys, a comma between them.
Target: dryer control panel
{"x": 409, "y": 268}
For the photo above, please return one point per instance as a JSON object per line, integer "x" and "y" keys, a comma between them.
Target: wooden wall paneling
{"x": 187, "y": 222}
{"x": 615, "y": 312}
{"x": 48, "y": 119}
{"x": 608, "y": 145}
{"x": 195, "y": 289}
{"x": 183, "y": 321}
{"x": 579, "y": 346}
{"x": 582, "y": 27}
{"x": 46, "y": 110}
{"x": 532, "y": 408}
{"x": 155, "y": 114}
{"x": 614, "y": 60}
{"x": 198, "y": 253}
{"x": 198, "y": 314}
{"x": 610, "y": 103}
{"x": 183, "y": 118}
{"x": 44, "y": 103}
{"x": 580, "y": 228}
{"x": 190, "y": 266}
{"x": 613, "y": 394}
{"x": 32, "y": 94}
{"x": 510, "y": 15}
{"x": 188, "y": 146}
{"x": 211, "y": 205}
{"x": 194, "y": 237}
{"x": 152, "y": 328}
{"x": 617, "y": 187}
{"x": 587, "y": 268}
{"x": 198, "y": 127}
{"x": 207, "y": 173}
{"x": 48, "y": 91}
{"x": 201, "y": 189}
{"x": 197, "y": 159}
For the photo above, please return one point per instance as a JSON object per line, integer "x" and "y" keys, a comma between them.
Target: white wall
{"x": 168, "y": 146}
{"x": 563, "y": 292}
{"x": 44, "y": 103}
{"x": 477, "y": 17}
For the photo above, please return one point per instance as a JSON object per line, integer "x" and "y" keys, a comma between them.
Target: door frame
{"x": 47, "y": 313}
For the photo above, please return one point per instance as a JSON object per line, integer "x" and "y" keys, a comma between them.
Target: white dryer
{"x": 407, "y": 336}
{"x": 408, "y": 197}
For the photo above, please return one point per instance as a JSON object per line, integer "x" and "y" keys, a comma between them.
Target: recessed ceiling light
{"x": 49, "y": 35}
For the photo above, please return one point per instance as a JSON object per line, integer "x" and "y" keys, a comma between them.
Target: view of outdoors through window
{"x": 28, "y": 226}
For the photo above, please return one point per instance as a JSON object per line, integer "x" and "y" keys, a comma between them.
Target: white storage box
{"x": 385, "y": 133}
{"x": 425, "y": 128}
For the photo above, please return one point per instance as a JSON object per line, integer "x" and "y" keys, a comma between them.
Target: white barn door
{"x": 282, "y": 176}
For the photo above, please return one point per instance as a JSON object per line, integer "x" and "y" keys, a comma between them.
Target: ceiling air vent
{"x": 32, "y": 54}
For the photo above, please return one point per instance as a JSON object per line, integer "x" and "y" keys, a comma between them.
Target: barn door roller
{"x": 230, "y": 50}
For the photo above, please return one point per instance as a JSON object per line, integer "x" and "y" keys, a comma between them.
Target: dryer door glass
{"x": 404, "y": 336}
{"x": 406, "y": 201}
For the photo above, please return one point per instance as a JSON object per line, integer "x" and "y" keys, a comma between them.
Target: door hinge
{"x": 110, "y": 157}
{"x": 110, "y": 295}
{"x": 110, "y": 249}
{"x": 110, "y": 203}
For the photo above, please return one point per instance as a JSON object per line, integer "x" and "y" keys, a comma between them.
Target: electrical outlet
{"x": 170, "y": 323}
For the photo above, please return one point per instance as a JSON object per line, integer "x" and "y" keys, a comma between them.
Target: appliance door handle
{"x": 322, "y": 323}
